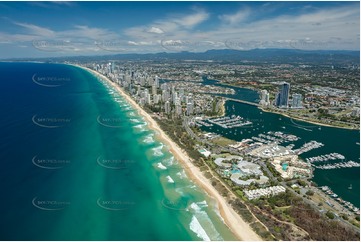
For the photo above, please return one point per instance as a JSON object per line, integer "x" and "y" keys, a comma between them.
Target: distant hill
{"x": 229, "y": 55}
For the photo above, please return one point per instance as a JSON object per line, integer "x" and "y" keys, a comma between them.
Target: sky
{"x": 50, "y": 29}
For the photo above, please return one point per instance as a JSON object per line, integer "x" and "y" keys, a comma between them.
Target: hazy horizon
{"x": 62, "y": 29}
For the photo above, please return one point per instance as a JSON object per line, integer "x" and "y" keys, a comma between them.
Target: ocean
{"x": 79, "y": 163}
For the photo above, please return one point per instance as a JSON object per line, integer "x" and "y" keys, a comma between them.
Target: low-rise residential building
{"x": 264, "y": 192}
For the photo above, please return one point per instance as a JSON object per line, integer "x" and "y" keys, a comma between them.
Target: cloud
{"x": 155, "y": 30}
{"x": 264, "y": 31}
{"x": 245, "y": 28}
{"x": 36, "y": 30}
{"x": 172, "y": 24}
{"x": 192, "y": 20}
{"x": 53, "y": 4}
{"x": 236, "y": 18}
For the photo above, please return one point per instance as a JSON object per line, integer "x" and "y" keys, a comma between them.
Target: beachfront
{"x": 238, "y": 226}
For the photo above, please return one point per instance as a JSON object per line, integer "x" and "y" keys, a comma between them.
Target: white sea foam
{"x": 202, "y": 204}
{"x": 203, "y": 219}
{"x": 195, "y": 207}
{"x": 157, "y": 151}
{"x": 161, "y": 166}
{"x": 139, "y": 126}
{"x": 149, "y": 139}
{"x": 197, "y": 228}
{"x": 169, "y": 161}
{"x": 170, "y": 180}
{"x": 216, "y": 210}
{"x": 135, "y": 120}
{"x": 181, "y": 174}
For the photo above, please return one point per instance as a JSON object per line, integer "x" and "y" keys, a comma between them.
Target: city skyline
{"x": 51, "y": 29}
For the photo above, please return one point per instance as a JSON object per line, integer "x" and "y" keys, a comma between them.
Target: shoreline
{"x": 307, "y": 121}
{"x": 236, "y": 224}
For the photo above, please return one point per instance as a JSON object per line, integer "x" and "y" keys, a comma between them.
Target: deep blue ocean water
{"x": 79, "y": 163}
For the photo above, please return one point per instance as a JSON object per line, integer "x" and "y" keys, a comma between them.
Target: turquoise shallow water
{"x": 78, "y": 163}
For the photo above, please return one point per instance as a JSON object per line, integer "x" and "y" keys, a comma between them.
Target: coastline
{"x": 237, "y": 225}
{"x": 307, "y": 121}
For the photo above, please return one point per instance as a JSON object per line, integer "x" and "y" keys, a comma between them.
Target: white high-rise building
{"x": 189, "y": 109}
{"x": 174, "y": 97}
{"x": 264, "y": 98}
{"x": 156, "y": 81}
{"x": 165, "y": 95}
{"x": 164, "y": 86}
{"x": 138, "y": 90}
{"x": 177, "y": 101}
{"x": 142, "y": 81}
{"x": 297, "y": 100}
{"x": 148, "y": 99}
{"x": 154, "y": 89}
{"x": 156, "y": 98}
{"x": 167, "y": 107}
{"x": 178, "y": 109}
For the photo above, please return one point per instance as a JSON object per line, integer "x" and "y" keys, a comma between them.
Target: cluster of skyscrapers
{"x": 282, "y": 98}
{"x": 148, "y": 90}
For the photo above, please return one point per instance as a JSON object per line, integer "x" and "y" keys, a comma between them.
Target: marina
{"x": 228, "y": 122}
{"x": 327, "y": 157}
{"x": 308, "y": 146}
{"x": 202, "y": 123}
{"x": 349, "y": 206}
{"x": 275, "y": 137}
{"x": 348, "y": 164}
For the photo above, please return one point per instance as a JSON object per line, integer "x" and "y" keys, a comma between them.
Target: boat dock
{"x": 308, "y": 146}
{"x": 347, "y": 164}
{"x": 327, "y": 157}
{"x": 228, "y": 122}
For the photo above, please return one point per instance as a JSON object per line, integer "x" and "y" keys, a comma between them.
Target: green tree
{"x": 330, "y": 214}
{"x": 310, "y": 193}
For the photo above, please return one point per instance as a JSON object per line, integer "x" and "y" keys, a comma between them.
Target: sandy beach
{"x": 238, "y": 226}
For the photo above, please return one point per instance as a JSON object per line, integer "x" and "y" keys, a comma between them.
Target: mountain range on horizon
{"x": 223, "y": 55}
